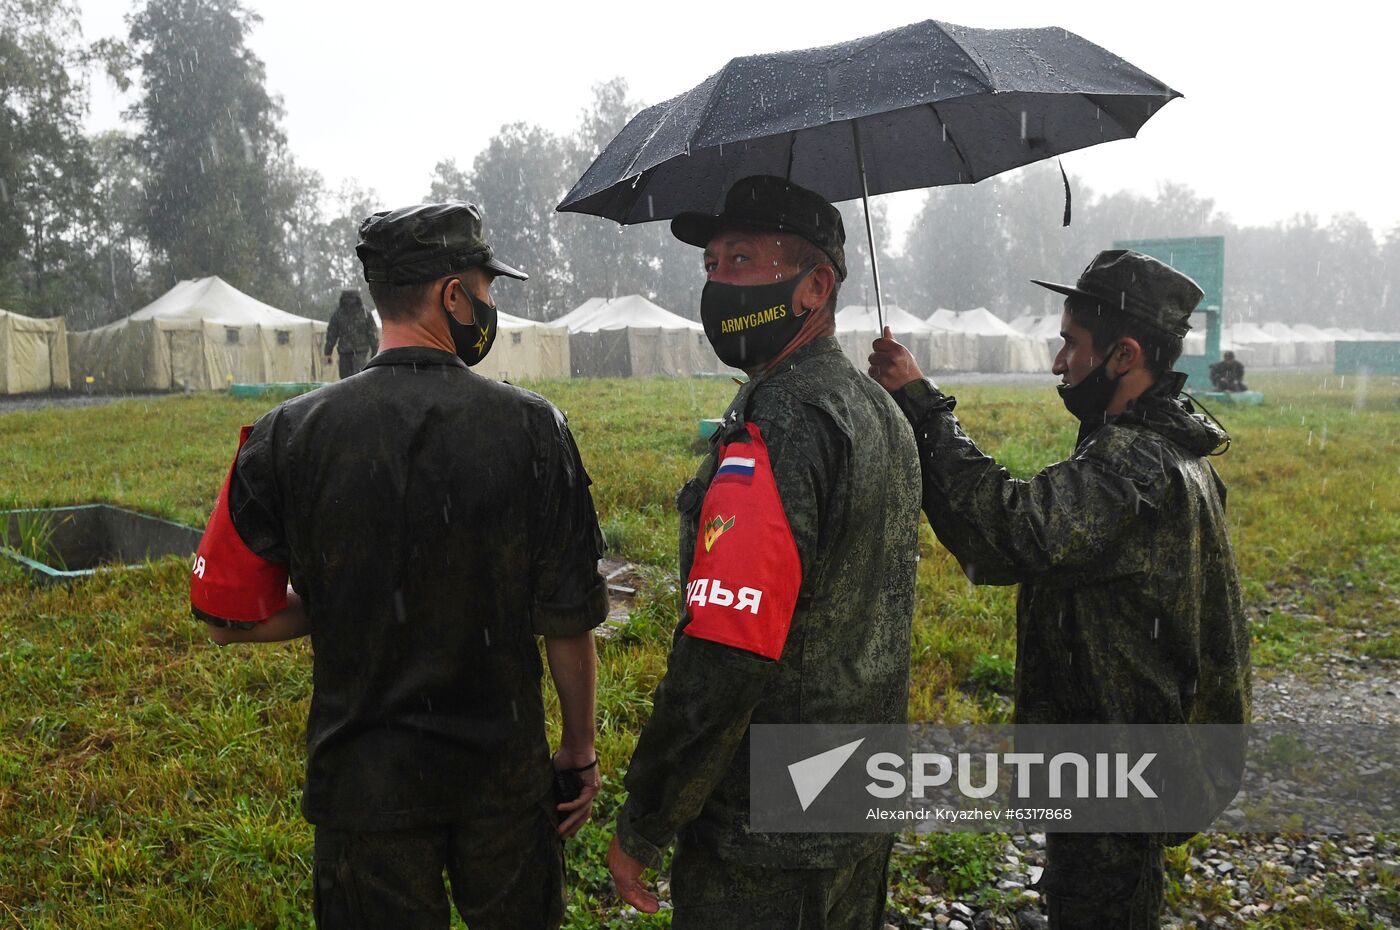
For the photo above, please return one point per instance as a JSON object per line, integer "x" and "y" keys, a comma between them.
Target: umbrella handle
{"x": 869, "y": 230}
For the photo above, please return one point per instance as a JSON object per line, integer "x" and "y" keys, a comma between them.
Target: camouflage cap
{"x": 767, "y": 202}
{"x": 1144, "y": 288}
{"x": 426, "y": 241}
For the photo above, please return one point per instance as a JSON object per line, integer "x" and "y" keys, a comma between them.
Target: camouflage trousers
{"x": 1094, "y": 881}
{"x": 351, "y": 363}
{"x": 507, "y": 873}
{"x": 709, "y": 893}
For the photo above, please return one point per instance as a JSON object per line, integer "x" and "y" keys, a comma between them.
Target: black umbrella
{"x": 920, "y": 106}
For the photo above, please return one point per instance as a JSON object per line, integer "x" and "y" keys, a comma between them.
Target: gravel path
{"x": 40, "y": 401}
{"x": 1252, "y": 879}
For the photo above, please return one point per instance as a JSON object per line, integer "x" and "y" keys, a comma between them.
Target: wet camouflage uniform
{"x": 1129, "y": 609}
{"x": 430, "y": 553}
{"x": 844, "y": 464}
{"x": 352, "y": 327}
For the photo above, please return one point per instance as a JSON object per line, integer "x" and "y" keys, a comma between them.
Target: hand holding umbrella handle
{"x": 891, "y": 364}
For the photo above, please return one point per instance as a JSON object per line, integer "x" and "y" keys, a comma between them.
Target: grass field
{"x": 148, "y": 778}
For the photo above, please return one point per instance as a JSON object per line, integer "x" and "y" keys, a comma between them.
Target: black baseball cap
{"x": 767, "y": 202}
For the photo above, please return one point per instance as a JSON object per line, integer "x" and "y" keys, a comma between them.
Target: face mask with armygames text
{"x": 748, "y": 324}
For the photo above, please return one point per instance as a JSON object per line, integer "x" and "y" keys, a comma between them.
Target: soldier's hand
{"x": 581, "y": 807}
{"x": 891, "y": 364}
{"x": 325, "y": 358}
{"x": 627, "y": 879}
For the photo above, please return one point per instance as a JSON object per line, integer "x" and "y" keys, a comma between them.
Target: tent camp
{"x": 999, "y": 347}
{"x": 630, "y": 336}
{"x": 33, "y": 354}
{"x": 1043, "y": 329}
{"x": 526, "y": 349}
{"x": 857, "y": 326}
{"x": 952, "y": 349}
{"x": 199, "y": 336}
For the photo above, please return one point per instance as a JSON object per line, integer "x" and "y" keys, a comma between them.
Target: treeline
{"x": 202, "y": 182}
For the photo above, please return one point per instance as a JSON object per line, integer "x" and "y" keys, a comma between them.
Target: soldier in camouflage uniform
{"x": 352, "y": 326}
{"x": 1129, "y": 609}
{"x": 798, "y": 544}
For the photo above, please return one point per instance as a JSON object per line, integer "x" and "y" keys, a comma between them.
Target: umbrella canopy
{"x": 932, "y": 103}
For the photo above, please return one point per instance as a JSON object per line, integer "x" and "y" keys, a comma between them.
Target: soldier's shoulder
{"x": 790, "y": 406}
{"x": 535, "y": 407}
{"x": 1131, "y": 451}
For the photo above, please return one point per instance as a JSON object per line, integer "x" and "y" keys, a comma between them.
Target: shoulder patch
{"x": 746, "y": 573}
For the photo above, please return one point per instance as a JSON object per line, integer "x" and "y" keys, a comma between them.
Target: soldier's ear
{"x": 1127, "y": 355}
{"x": 457, "y": 302}
{"x": 816, "y": 289}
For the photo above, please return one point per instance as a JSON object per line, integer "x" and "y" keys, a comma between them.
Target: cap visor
{"x": 695, "y": 229}
{"x": 1065, "y": 289}
{"x": 498, "y": 267}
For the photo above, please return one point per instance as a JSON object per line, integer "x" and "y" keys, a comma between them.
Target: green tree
{"x": 1389, "y": 301}
{"x": 1352, "y": 273}
{"x": 119, "y": 253}
{"x": 955, "y": 248}
{"x": 517, "y": 180}
{"x": 321, "y": 232}
{"x": 210, "y": 144}
{"x": 46, "y": 170}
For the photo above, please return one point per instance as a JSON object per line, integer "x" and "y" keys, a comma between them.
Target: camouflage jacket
{"x": 354, "y": 329}
{"x": 1129, "y": 609}
{"x": 846, "y": 473}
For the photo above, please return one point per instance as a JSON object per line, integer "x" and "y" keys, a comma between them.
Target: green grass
{"x": 150, "y": 779}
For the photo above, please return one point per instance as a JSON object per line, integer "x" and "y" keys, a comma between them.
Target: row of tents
{"x": 204, "y": 334}
{"x": 1257, "y": 345}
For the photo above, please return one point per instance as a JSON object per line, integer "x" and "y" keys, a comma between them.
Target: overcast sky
{"x": 1282, "y": 113}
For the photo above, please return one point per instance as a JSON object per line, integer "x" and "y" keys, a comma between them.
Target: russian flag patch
{"x": 735, "y": 468}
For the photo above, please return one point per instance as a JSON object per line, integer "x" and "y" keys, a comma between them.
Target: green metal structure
{"x": 1367, "y": 358}
{"x": 1203, "y": 259}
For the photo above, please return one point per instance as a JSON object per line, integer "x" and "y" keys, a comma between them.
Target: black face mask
{"x": 1088, "y": 400}
{"x": 474, "y": 340}
{"x": 748, "y": 324}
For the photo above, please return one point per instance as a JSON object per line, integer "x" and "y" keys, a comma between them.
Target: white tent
{"x": 33, "y": 354}
{"x": 1044, "y": 329}
{"x": 631, "y": 336}
{"x": 1307, "y": 349}
{"x": 999, "y": 346}
{"x": 857, "y": 326}
{"x": 952, "y": 348}
{"x": 1265, "y": 350}
{"x": 526, "y": 349}
{"x": 1025, "y": 322}
{"x": 200, "y": 335}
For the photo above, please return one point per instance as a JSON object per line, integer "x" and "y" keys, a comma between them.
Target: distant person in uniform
{"x": 1228, "y": 373}
{"x": 352, "y": 328}
{"x": 1129, "y": 610}
{"x": 798, "y": 545}
{"x": 433, "y": 523}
